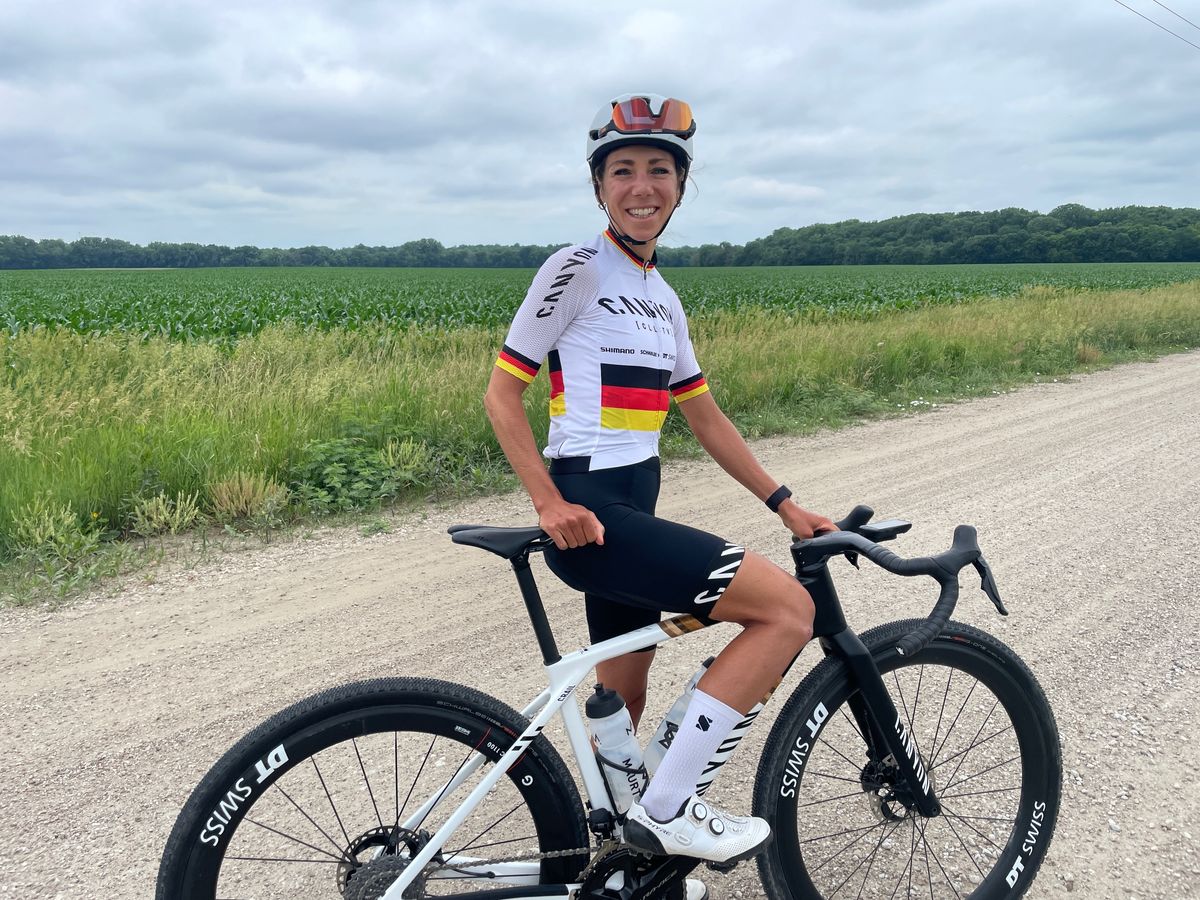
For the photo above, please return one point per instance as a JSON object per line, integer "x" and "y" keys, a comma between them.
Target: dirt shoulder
{"x": 1085, "y": 496}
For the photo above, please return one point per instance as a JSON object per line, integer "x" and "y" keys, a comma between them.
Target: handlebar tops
{"x": 857, "y": 535}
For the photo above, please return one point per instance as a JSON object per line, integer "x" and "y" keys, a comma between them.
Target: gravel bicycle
{"x": 918, "y": 759}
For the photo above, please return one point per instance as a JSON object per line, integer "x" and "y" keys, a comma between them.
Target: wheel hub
{"x": 889, "y": 798}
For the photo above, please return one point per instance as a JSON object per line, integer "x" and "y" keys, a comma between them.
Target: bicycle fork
{"x": 891, "y": 747}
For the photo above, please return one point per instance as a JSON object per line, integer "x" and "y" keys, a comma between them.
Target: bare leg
{"x": 628, "y": 676}
{"x": 776, "y": 614}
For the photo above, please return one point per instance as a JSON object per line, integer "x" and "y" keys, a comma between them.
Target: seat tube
{"x": 536, "y": 609}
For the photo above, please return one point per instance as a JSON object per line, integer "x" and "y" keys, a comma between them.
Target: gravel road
{"x": 1085, "y": 495}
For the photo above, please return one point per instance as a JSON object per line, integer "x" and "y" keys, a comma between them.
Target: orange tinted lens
{"x": 636, "y": 116}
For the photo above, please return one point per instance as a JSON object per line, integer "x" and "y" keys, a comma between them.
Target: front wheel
{"x": 842, "y": 822}
{"x": 332, "y": 796}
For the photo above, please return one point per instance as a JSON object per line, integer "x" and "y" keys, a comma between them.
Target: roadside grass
{"x": 112, "y": 437}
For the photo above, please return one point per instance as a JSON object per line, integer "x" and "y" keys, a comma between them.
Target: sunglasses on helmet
{"x": 636, "y": 117}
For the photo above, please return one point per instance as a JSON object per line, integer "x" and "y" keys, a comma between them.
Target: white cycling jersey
{"x": 616, "y": 339}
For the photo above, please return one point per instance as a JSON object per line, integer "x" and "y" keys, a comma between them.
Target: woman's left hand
{"x": 802, "y": 523}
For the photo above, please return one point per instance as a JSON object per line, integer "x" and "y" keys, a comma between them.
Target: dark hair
{"x": 681, "y": 163}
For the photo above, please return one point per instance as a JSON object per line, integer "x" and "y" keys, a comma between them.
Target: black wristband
{"x": 781, "y": 493}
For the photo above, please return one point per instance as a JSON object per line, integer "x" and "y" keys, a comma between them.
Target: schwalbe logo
{"x": 793, "y": 767}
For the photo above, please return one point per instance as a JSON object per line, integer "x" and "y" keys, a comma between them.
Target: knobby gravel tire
{"x": 306, "y": 801}
{"x": 988, "y": 739}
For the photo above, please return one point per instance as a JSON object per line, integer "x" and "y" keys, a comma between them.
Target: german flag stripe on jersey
{"x": 629, "y": 254}
{"x": 689, "y": 388}
{"x": 633, "y": 398}
{"x": 515, "y": 364}
{"x": 558, "y": 403}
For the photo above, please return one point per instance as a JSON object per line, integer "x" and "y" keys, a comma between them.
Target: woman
{"x": 616, "y": 340}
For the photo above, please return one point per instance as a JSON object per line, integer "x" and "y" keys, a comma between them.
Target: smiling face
{"x": 639, "y": 185}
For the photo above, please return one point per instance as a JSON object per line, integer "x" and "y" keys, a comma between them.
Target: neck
{"x": 643, "y": 252}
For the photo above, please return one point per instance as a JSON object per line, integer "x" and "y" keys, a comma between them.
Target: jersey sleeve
{"x": 687, "y": 381}
{"x": 558, "y": 293}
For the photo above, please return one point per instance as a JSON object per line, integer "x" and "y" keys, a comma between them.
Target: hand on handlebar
{"x": 802, "y": 523}
{"x": 570, "y": 525}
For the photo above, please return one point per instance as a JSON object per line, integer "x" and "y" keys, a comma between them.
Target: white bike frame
{"x": 564, "y": 676}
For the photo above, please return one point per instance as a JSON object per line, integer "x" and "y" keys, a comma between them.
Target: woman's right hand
{"x": 570, "y": 525}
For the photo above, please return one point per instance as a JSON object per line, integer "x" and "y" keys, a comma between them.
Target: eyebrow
{"x": 629, "y": 162}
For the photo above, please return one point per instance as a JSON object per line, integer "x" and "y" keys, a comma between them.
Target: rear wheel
{"x": 332, "y": 797}
{"x": 843, "y": 824}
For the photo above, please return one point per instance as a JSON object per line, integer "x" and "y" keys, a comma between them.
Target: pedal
{"x": 723, "y": 867}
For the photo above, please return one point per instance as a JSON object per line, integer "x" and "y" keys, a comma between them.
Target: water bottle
{"x": 617, "y": 748}
{"x": 670, "y": 724}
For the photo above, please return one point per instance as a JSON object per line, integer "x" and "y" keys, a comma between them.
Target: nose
{"x": 642, "y": 184}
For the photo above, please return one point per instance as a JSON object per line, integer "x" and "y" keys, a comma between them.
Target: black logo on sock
{"x": 703, "y": 722}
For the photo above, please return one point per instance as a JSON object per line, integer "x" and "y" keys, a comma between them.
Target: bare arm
{"x": 724, "y": 443}
{"x": 568, "y": 524}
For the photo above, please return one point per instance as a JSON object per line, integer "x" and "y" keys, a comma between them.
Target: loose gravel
{"x": 1085, "y": 495}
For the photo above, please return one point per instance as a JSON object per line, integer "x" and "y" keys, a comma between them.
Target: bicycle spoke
{"x": 442, "y": 792}
{"x": 869, "y": 861}
{"x": 835, "y": 777}
{"x": 416, "y": 778}
{"x": 470, "y": 844}
{"x": 941, "y": 869}
{"x": 980, "y": 793}
{"x": 830, "y": 799}
{"x": 980, "y": 774}
{"x": 854, "y": 725}
{"x": 339, "y": 857}
{"x": 845, "y": 831}
{"x": 937, "y": 730}
{"x": 473, "y": 847}
{"x": 851, "y": 763}
{"x": 863, "y": 833}
{"x": 974, "y": 742}
{"x": 329, "y": 797}
{"x": 954, "y": 722}
{"x": 366, "y": 781}
{"x": 966, "y": 821}
{"x": 975, "y": 745}
{"x": 950, "y": 824}
{"x": 277, "y": 787}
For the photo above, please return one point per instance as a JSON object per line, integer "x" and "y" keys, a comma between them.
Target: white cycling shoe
{"x": 699, "y": 830}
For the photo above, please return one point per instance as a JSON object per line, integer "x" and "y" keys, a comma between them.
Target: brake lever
{"x": 988, "y": 584}
{"x": 852, "y": 558}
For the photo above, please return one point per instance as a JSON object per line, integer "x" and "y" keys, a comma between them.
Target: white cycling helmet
{"x": 642, "y": 118}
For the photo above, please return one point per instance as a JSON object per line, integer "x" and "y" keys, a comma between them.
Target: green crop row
{"x": 226, "y": 304}
{"x": 111, "y": 435}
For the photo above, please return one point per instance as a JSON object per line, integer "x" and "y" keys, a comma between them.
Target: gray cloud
{"x": 380, "y": 122}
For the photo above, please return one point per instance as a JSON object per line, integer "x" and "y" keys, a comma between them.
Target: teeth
{"x": 644, "y": 212}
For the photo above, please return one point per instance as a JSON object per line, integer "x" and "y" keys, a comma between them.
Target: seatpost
{"x": 537, "y": 611}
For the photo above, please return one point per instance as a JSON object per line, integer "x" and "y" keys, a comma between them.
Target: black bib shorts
{"x": 647, "y": 565}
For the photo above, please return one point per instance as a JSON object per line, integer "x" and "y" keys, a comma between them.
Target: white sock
{"x": 705, "y": 726}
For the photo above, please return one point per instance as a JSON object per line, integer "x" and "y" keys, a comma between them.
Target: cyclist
{"x": 615, "y": 338}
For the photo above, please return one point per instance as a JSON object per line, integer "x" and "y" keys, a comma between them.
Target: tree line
{"x": 1069, "y": 233}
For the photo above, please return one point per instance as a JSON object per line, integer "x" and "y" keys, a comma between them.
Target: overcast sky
{"x": 311, "y": 122}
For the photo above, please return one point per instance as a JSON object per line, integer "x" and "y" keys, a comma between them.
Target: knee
{"x": 795, "y": 615}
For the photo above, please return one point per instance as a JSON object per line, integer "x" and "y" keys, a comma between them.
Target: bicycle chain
{"x": 604, "y": 850}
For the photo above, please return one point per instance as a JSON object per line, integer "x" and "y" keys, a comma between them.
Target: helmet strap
{"x": 632, "y": 240}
